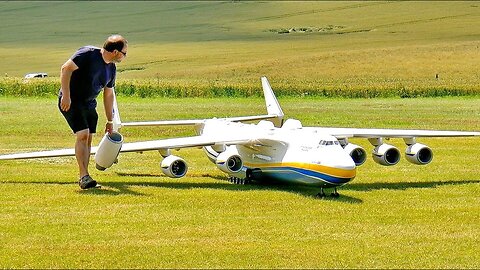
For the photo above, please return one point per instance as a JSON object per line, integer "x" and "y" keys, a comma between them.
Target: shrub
{"x": 147, "y": 88}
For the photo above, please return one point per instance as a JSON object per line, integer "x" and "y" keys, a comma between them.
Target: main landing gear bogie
{"x": 242, "y": 181}
{"x": 239, "y": 181}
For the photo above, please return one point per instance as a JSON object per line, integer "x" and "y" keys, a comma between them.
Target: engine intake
{"x": 358, "y": 154}
{"x": 108, "y": 150}
{"x": 173, "y": 166}
{"x": 229, "y": 163}
{"x": 386, "y": 154}
{"x": 419, "y": 154}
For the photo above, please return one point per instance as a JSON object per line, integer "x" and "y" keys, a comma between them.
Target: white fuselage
{"x": 288, "y": 154}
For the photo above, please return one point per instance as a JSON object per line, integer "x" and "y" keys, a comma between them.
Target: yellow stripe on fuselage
{"x": 335, "y": 172}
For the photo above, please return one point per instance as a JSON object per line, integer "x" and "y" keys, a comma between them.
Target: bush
{"x": 176, "y": 89}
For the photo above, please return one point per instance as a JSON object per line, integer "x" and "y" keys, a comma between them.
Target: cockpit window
{"x": 324, "y": 142}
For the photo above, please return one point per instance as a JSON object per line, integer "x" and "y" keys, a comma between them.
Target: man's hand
{"x": 65, "y": 103}
{"x": 109, "y": 128}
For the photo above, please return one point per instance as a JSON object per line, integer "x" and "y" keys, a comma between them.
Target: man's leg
{"x": 82, "y": 153}
{"x": 90, "y": 138}
{"x": 89, "y": 145}
{"x": 82, "y": 150}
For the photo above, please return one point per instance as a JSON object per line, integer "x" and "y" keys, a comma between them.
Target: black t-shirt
{"x": 92, "y": 75}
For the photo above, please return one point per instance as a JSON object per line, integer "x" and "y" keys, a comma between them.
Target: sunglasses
{"x": 124, "y": 53}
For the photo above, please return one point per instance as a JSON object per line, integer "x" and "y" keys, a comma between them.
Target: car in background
{"x": 36, "y": 75}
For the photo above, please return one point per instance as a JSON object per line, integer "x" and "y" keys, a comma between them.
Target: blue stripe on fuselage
{"x": 292, "y": 174}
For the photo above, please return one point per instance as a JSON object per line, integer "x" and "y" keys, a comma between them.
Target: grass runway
{"x": 405, "y": 216}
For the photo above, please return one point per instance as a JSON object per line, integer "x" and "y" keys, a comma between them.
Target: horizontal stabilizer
{"x": 163, "y": 123}
{"x": 275, "y": 113}
{"x": 196, "y": 121}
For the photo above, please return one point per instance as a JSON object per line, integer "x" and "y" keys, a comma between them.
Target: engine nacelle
{"x": 386, "y": 154}
{"x": 419, "y": 154}
{"x": 219, "y": 148}
{"x": 358, "y": 154}
{"x": 229, "y": 162}
{"x": 108, "y": 150}
{"x": 173, "y": 166}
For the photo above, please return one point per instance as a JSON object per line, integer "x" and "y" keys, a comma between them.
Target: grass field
{"x": 404, "y": 216}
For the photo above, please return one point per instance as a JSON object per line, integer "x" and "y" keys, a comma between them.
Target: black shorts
{"x": 80, "y": 117}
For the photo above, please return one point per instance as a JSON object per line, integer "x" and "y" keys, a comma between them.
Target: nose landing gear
{"x": 322, "y": 194}
{"x": 335, "y": 194}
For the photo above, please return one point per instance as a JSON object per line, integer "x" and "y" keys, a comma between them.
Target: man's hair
{"x": 114, "y": 42}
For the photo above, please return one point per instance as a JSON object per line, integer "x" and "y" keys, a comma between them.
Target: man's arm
{"x": 108, "y": 104}
{"x": 65, "y": 75}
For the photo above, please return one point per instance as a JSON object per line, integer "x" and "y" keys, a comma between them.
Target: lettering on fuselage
{"x": 305, "y": 148}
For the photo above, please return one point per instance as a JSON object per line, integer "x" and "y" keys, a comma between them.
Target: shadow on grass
{"x": 119, "y": 188}
{"x": 122, "y": 188}
{"x": 306, "y": 191}
{"x": 218, "y": 177}
{"x": 125, "y": 188}
{"x": 405, "y": 185}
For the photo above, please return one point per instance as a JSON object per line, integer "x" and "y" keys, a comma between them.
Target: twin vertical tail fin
{"x": 273, "y": 108}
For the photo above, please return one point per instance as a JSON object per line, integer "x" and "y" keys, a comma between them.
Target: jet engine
{"x": 386, "y": 154}
{"x": 173, "y": 166}
{"x": 358, "y": 154}
{"x": 229, "y": 162}
{"x": 108, "y": 150}
{"x": 419, "y": 154}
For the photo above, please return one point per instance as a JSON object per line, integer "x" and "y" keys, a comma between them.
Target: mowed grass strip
{"x": 405, "y": 216}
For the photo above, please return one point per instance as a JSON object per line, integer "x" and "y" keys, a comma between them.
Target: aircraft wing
{"x": 389, "y": 133}
{"x": 40, "y": 154}
{"x": 184, "y": 142}
{"x": 174, "y": 143}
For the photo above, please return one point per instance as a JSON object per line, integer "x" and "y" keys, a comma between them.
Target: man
{"x": 83, "y": 76}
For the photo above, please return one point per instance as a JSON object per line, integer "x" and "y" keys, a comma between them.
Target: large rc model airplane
{"x": 272, "y": 149}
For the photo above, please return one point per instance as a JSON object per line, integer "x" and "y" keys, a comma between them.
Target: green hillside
{"x": 368, "y": 44}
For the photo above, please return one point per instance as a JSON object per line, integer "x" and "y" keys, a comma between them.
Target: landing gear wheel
{"x": 238, "y": 181}
{"x": 335, "y": 194}
{"x": 321, "y": 194}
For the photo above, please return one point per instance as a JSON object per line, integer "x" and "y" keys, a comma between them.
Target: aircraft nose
{"x": 337, "y": 159}
{"x": 340, "y": 166}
